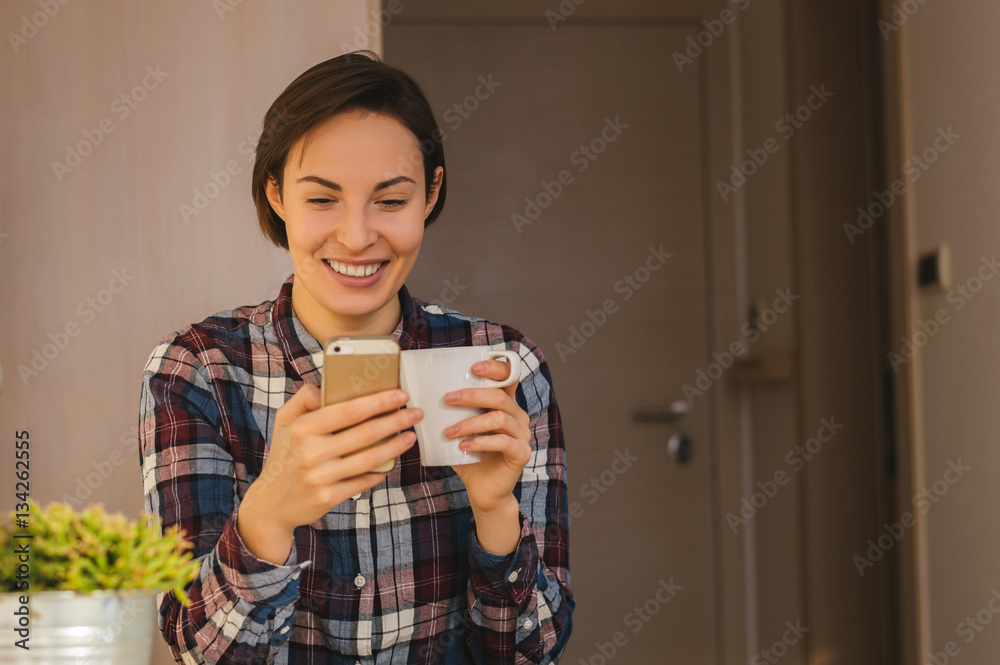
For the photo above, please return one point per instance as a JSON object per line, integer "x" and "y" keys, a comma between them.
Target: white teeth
{"x": 353, "y": 271}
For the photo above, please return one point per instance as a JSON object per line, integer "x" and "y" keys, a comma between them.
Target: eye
{"x": 319, "y": 201}
{"x": 393, "y": 203}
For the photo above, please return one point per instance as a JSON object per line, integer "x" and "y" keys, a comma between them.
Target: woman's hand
{"x": 503, "y": 436}
{"x": 310, "y": 467}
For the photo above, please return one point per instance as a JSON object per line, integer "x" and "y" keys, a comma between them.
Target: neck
{"x": 323, "y": 324}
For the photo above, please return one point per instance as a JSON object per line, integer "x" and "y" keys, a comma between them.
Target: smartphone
{"x": 357, "y": 366}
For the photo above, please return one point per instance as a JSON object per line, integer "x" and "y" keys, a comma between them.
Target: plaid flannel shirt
{"x": 394, "y": 575}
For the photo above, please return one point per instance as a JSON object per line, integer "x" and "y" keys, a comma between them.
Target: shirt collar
{"x": 305, "y": 353}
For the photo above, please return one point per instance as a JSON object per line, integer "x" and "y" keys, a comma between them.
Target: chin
{"x": 358, "y": 304}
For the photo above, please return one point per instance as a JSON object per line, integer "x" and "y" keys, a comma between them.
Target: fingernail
{"x": 415, "y": 413}
{"x": 451, "y": 397}
{"x": 450, "y": 429}
{"x": 479, "y": 365}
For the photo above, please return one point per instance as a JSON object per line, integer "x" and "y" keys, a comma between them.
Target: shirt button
{"x": 513, "y": 576}
{"x": 359, "y": 581}
{"x": 356, "y": 496}
{"x": 527, "y": 624}
{"x": 283, "y": 630}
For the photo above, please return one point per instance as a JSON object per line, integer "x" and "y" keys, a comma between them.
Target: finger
{"x": 515, "y": 452}
{"x": 491, "y": 369}
{"x": 372, "y": 431}
{"x": 491, "y": 421}
{"x": 305, "y": 400}
{"x": 339, "y": 491}
{"x": 484, "y": 398}
{"x": 363, "y": 462}
{"x": 358, "y": 484}
{"x": 335, "y": 417}
{"x": 497, "y": 370}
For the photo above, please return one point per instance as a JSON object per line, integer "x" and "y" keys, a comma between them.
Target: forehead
{"x": 365, "y": 145}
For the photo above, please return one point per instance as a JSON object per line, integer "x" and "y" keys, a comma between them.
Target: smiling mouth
{"x": 353, "y": 270}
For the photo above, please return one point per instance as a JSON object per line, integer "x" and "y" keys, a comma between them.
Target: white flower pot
{"x": 96, "y": 628}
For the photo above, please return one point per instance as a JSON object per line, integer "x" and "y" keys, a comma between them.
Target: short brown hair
{"x": 356, "y": 81}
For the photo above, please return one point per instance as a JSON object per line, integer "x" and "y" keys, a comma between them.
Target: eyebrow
{"x": 337, "y": 188}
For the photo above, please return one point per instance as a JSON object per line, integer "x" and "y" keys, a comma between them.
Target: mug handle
{"x": 513, "y": 359}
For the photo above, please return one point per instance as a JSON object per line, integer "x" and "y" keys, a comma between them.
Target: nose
{"x": 354, "y": 230}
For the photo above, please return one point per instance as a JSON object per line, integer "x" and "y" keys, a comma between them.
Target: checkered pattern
{"x": 394, "y": 576}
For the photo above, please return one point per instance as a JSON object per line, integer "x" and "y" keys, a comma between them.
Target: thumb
{"x": 306, "y": 399}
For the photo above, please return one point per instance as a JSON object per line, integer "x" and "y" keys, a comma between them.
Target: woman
{"x": 308, "y": 555}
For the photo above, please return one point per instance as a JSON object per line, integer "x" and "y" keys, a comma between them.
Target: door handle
{"x": 678, "y": 445}
{"x": 679, "y": 449}
{"x": 678, "y": 411}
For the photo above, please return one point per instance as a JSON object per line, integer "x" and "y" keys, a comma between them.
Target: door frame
{"x": 901, "y": 254}
{"x": 734, "y": 594}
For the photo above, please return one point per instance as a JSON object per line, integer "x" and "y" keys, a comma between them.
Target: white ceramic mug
{"x": 427, "y": 375}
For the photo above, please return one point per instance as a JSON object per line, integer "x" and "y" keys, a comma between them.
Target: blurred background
{"x": 752, "y": 238}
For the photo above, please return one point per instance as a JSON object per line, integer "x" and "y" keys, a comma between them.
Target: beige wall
{"x": 65, "y": 237}
{"x": 948, "y": 60}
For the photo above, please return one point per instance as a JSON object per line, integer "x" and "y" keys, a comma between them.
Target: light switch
{"x": 934, "y": 268}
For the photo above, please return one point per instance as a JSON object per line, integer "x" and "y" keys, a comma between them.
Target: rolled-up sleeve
{"x": 521, "y": 604}
{"x": 241, "y": 607}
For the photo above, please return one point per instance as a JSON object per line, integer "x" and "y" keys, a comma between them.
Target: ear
{"x": 435, "y": 189}
{"x": 274, "y": 197}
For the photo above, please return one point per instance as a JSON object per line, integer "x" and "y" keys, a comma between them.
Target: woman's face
{"x": 353, "y": 201}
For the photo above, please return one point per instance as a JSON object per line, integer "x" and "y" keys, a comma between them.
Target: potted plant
{"x": 81, "y": 587}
